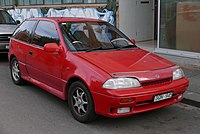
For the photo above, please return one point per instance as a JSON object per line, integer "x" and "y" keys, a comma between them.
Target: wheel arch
{"x": 72, "y": 80}
{"x": 92, "y": 116}
{"x": 10, "y": 58}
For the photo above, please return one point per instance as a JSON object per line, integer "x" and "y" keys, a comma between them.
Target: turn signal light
{"x": 126, "y": 100}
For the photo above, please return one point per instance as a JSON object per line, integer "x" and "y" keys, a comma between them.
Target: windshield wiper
{"x": 104, "y": 48}
{"x": 99, "y": 48}
{"x": 129, "y": 46}
{"x": 96, "y": 48}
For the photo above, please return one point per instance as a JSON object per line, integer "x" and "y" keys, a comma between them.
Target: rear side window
{"x": 45, "y": 32}
{"x": 23, "y": 32}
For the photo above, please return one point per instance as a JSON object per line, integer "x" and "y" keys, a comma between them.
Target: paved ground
{"x": 30, "y": 110}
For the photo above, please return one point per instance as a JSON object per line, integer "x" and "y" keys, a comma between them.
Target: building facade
{"x": 47, "y": 2}
{"x": 174, "y": 23}
{"x": 97, "y": 9}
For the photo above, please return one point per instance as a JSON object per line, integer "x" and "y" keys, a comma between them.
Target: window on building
{"x": 180, "y": 25}
{"x": 57, "y": 1}
{"x": 32, "y": 2}
{"x": 23, "y": 2}
{"x": 26, "y": 2}
{"x": 6, "y": 2}
{"x": 50, "y": 2}
{"x": 77, "y": 1}
{"x": 47, "y": 2}
{"x": 67, "y": 1}
{"x": 102, "y": 1}
{"x": 37, "y": 2}
{"x": 89, "y": 1}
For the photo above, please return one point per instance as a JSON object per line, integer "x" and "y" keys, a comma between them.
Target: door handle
{"x": 31, "y": 53}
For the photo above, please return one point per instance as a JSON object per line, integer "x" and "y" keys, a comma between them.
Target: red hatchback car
{"x": 94, "y": 66}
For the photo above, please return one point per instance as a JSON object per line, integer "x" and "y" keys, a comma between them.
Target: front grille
{"x": 5, "y": 38}
{"x": 157, "y": 82}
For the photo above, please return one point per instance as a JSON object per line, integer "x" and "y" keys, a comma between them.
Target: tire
{"x": 15, "y": 72}
{"x": 81, "y": 103}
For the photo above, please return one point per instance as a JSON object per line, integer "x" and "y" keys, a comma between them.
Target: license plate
{"x": 163, "y": 97}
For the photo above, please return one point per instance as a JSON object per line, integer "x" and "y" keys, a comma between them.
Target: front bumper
{"x": 107, "y": 105}
{"x": 4, "y": 47}
{"x": 4, "y": 42}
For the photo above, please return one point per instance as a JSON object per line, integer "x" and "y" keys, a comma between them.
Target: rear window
{"x": 5, "y": 18}
{"x": 23, "y": 32}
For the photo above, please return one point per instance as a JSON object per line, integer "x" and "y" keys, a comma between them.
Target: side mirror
{"x": 52, "y": 47}
{"x": 133, "y": 41}
{"x": 18, "y": 22}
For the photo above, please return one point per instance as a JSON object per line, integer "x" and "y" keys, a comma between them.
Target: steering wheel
{"x": 78, "y": 42}
{"x": 119, "y": 39}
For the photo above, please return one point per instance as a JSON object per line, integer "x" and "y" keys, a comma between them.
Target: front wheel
{"x": 15, "y": 72}
{"x": 81, "y": 103}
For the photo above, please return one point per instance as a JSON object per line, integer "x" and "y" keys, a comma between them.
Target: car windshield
{"x": 92, "y": 36}
{"x": 5, "y": 18}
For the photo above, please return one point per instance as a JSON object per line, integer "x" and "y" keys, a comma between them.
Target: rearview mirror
{"x": 52, "y": 47}
{"x": 133, "y": 41}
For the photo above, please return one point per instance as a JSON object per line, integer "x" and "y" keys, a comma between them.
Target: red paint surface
{"x": 52, "y": 71}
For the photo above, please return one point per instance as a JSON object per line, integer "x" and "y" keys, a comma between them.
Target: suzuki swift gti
{"x": 94, "y": 66}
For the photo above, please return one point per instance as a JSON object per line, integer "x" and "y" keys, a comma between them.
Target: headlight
{"x": 178, "y": 74}
{"x": 120, "y": 83}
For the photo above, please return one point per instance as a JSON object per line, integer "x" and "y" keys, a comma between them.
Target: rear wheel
{"x": 81, "y": 103}
{"x": 15, "y": 72}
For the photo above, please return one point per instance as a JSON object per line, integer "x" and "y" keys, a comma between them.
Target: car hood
{"x": 7, "y": 29}
{"x": 125, "y": 60}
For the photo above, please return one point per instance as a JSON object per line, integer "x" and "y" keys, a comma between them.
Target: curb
{"x": 191, "y": 102}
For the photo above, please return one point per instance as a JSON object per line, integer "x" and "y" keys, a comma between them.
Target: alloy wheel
{"x": 15, "y": 70}
{"x": 80, "y": 101}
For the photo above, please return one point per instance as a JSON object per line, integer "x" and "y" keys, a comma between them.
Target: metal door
{"x": 136, "y": 19}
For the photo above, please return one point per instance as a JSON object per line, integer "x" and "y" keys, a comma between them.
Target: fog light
{"x": 180, "y": 96}
{"x": 123, "y": 110}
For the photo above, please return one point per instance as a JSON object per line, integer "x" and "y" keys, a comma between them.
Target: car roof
{"x": 67, "y": 19}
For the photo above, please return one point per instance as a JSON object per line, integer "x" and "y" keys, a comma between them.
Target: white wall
{"x": 127, "y": 23}
{"x": 136, "y": 20}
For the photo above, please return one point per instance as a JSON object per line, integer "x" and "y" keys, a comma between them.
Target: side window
{"x": 23, "y": 32}
{"x": 45, "y": 32}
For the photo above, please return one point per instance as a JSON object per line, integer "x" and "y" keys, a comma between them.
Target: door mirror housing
{"x": 18, "y": 22}
{"x": 133, "y": 41}
{"x": 52, "y": 47}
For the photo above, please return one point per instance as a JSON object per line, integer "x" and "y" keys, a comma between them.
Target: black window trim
{"x": 36, "y": 21}
{"x": 62, "y": 36}
{"x": 68, "y": 48}
{"x": 33, "y": 33}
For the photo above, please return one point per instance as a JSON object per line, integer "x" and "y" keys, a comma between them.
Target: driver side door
{"x": 45, "y": 67}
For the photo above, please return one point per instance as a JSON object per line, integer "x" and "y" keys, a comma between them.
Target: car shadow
{"x": 101, "y": 121}
{"x": 3, "y": 57}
